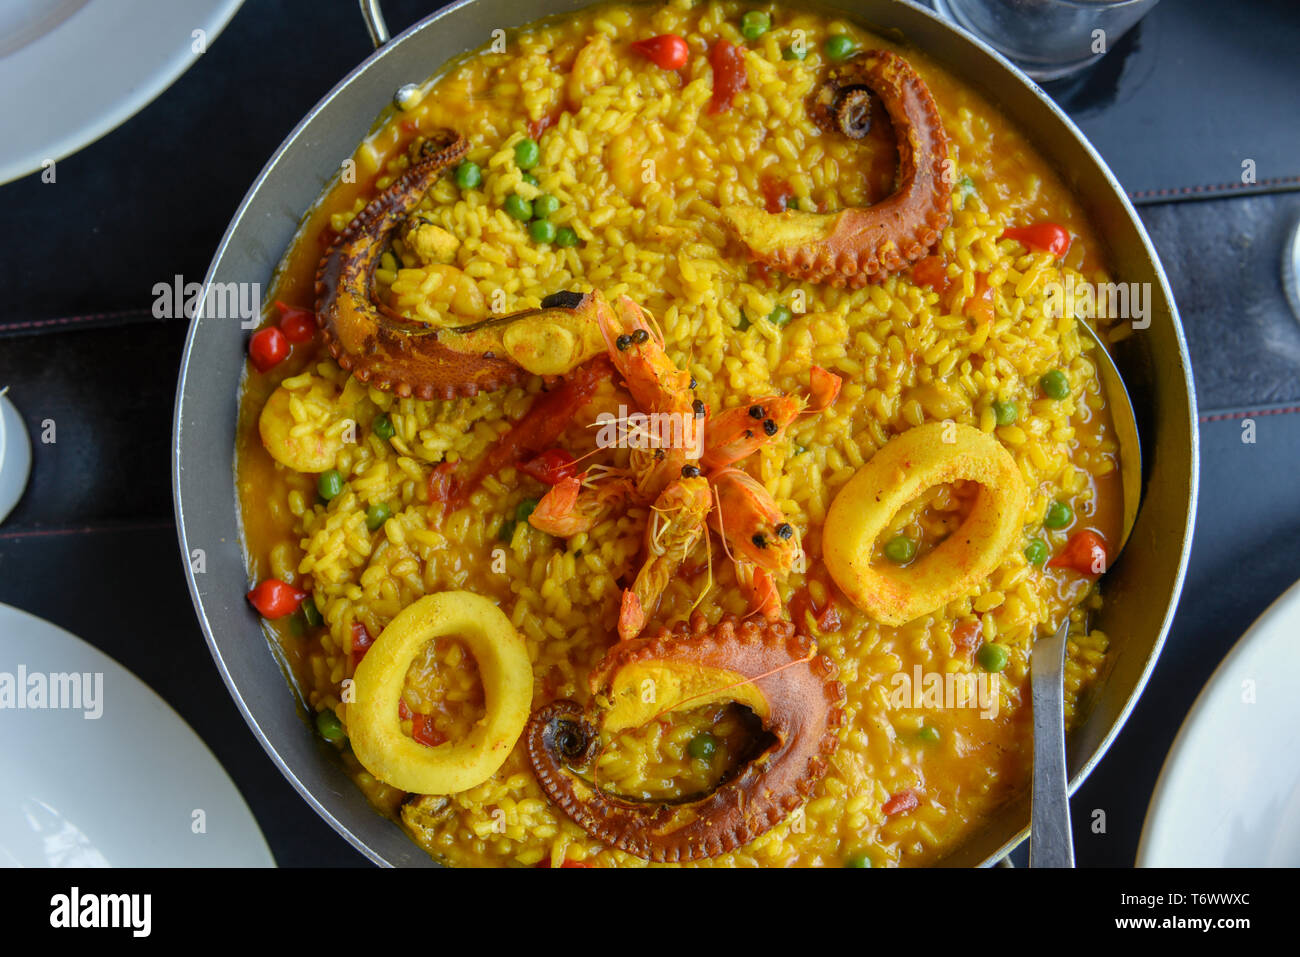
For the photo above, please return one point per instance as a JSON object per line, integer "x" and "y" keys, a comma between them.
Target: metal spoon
{"x": 1051, "y": 843}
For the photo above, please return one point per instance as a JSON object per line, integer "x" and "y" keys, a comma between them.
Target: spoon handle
{"x": 1051, "y": 843}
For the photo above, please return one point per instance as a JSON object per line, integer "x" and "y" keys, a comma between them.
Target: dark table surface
{"x": 1176, "y": 109}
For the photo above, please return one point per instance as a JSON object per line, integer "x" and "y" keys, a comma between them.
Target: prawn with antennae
{"x": 689, "y": 486}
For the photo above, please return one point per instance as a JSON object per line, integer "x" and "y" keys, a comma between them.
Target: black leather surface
{"x": 92, "y": 548}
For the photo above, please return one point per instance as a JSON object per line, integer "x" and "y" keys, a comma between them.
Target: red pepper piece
{"x": 729, "y": 77}
{"x": 541, "y": 425}
{"x": 298, "y": 324}
{"x": 361, "y": 642}
{"x": 552, "y": 466}
{"x": 1047, "y": 237}
{"x": 667, "y": 51}
{"x": 268, "y": 348}
{"x": 422, "y": 730}
{"x": 901, "y": 803}
{"x": 1085, "y": 552}
{"x": 931, "y": 271}
{"x": 275, "y": 599}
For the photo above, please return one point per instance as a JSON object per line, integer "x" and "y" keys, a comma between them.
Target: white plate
{"x": 1229, "y": 793}
{"x": 15, "y": 456}
{"x": 126, "y": 789}
{"x": 72, "y": 70}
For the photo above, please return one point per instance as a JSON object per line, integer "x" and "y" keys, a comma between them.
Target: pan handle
{"x": 375, "y": 24}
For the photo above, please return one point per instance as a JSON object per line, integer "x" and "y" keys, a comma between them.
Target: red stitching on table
{"x": 70, "y": 320}
{"x": 83, "y": 529}
{"x": 1224, "y": 416}
{"x": 1185, "y": 190}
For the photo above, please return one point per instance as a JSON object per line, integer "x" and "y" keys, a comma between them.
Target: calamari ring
{"x": 902, "y": 469}
{"x": 767, "y": 666}
{"x": 374, "y": 725}
{"x": 855, "y": 246}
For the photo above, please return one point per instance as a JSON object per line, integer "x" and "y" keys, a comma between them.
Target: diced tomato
{"x": 1047, "y": 237}
{"x": 667, "y": 51}
{"x": 980, "y": 305}
{"x": 931, "y": 271}
{"x": 823, "y": 388}
{"x": 729, "y": 77}
{"x": 966, "y": 633}
{"x": 552, "y": 466}
{"x": 546, "y": 862}
{"x": 275, "y": 599}
{"x": 268, "y": 348}
{"x": 361, "y": 642}
{"x": 440, "y": 482}
{"x": 403, "y": 711}
{"x": 900, "y": 803}
{"x": 298, "y": 324}
{"x": 537, "y": 127}
{"x": 422, "y": 730}
{"x": 777, "y": 194}
{"x": 825, "y": 614}
{"x": 1085, "y": 552}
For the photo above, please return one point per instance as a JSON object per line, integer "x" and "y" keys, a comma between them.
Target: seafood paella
{"x": 660, "y": 448}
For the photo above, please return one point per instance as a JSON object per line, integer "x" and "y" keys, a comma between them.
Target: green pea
{"x": 794, "y": 53}
{"x": 1036, "y": 552}
{"x": 329, "y": 484}
{"x": 469, "y": 175}
{"x": 780, "y": 316}
{"x": 542, "y": 231}
{"x": 527, "y": 154}
{"x": 1006, "y": 413}
{"x": 565, "y": 237}
{"x": 754, "y": 24}
{"x": 1055, "y": 385}
{"x": 839, "y": 47}
{"x": 744, "y": 321}
{"x": 992, "y": 657}
{"x": 859, "y": 859}
{"x": 507, "y": 531}
{"x": 545, "y": 206}
{"x": 329, "y": 726}
{"x": 310, "y": 613}
{"x": 965, "y": 186}
{"x": 377, "y": 514}
{"x": 530, "y": 179}
{"x": 900, "y": 549}
{"x": 517, "y": 207}
{"x": 928, "y": 734}
{"x": 703, "y": 746}
{"x": 1058, "y": 515}
{"x": 383, "y": 427}
{"x": 524, "y": 509}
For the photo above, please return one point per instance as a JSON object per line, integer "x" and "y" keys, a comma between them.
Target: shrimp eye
{"x": 784, "y": 530}
{"x": 622, "y": 342}
{"x": 698, "y": 407}
{"x": 770, "y": 427}
{"x": 690, "y": 471}
{"x": 756, "y": 412}
{"x": 759, "y": 540}
{"x": 640, "y": 336}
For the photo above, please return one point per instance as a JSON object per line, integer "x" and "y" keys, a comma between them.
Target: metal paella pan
{"x": 1141, "y": 589}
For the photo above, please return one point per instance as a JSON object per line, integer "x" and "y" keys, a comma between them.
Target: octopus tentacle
{"x": 394, "y": 353}
{"x": 769, "y": 666}
{"x": 855, "y": 246}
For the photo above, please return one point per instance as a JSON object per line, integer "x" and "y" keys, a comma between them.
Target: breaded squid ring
{"x": 374, "y": 725}
{"x": 906, "y": 466}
